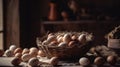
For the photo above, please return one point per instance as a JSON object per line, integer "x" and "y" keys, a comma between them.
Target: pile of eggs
{"x": 98, "y": 61}
{"x": 67, "y": 39}
{"x": 31, "y": 56}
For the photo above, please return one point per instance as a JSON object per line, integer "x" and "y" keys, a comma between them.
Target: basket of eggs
{"x": 65, "y": 45}
{"x": 114, "y": 38}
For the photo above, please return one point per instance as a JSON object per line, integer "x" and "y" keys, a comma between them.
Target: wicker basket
{"x": 66, "y": 52}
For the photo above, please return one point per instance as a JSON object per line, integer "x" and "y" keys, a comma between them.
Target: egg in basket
{"x": 65, "y": 45}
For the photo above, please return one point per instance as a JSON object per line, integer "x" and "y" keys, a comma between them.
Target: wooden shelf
{"x": 98, "y": 28}
{"x": 79, "y": 22}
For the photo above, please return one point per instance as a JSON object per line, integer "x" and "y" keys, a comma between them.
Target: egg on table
{"x": 111, "y": 59}
{"x": 25, "y": 57}
{"x": 9, "y": 53}
{"x": 16, "y": 61}
{"x": 84, "y": 61}
{"x": 33, "y": 62}
{"x": 99, "y": 61}
{"x": 18, "y": 55}
{"x": 25, "y": 50}
{"x": 18, "y": 50}
{"x": 12, "y": 47}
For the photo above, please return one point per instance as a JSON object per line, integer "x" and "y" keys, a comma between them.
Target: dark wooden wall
{"x": 31, "y": 12}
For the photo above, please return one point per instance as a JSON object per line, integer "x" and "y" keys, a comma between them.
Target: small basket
{"x": 114, "y": 43}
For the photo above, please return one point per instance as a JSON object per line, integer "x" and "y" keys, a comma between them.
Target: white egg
{"x": 84, "y": 61}
{"x": 12, "y": 47}
{"x": 9, "y": 53}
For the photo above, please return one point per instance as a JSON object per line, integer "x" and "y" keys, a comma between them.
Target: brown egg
{"x": 17, "y": 50}
{"x": 53, "y": 43}
{"x": 33, "y": 62}
{"x": 41, "y": 53}
{"x": 93, "y": 50}
{"x": 25, "y": 50}
{"x": 82, "y": 38}
{"x": 84, "y": 61}
{"x": 54, "y": 61}
{"x": 1, "y": 52}
{"x": 18, "y": 55}
{"x": 16, "y": 61}
{"x": 99, "y": 61}
{"x": 72, "y": 44}
{"x": 33, "y": 49}
{"x": 74, "y": 37}
{"x": 33, "y": 54}
{"x": 67, "y": 38}
{"x": 51, "y": 38}
{"x": 111, "y": 59}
